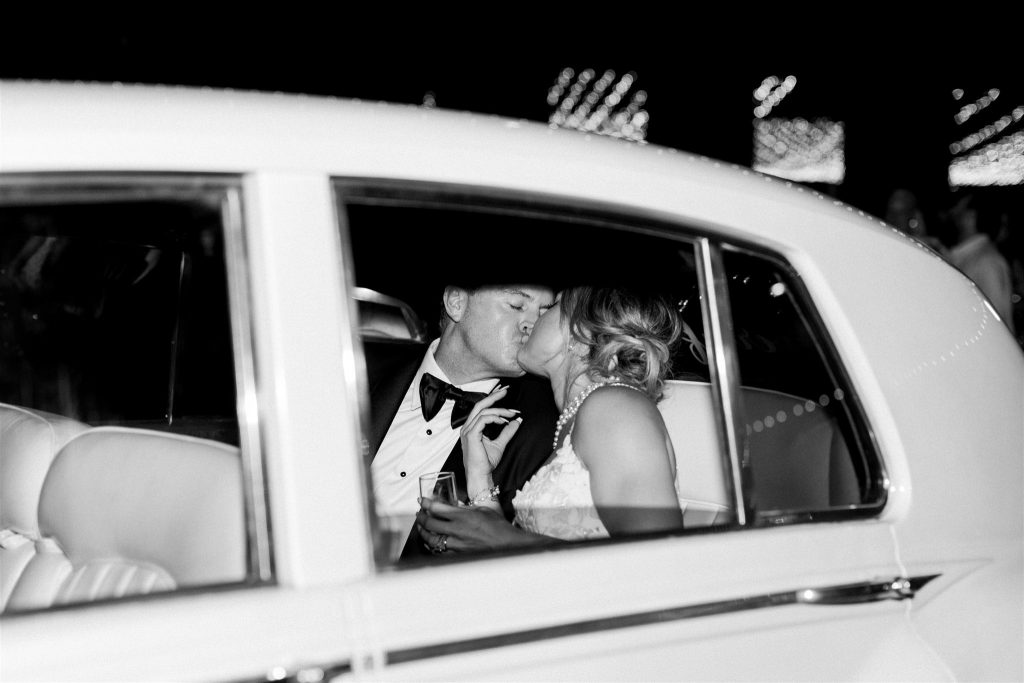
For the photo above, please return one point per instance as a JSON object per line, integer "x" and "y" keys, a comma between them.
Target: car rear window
{"x": 118, "y": 390}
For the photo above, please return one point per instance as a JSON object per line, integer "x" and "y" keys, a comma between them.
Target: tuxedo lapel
{"x": 390, "y": 369}
{"x": 531, "y": 445}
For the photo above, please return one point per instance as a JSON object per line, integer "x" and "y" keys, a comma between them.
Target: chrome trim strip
{"x": 257, "y": 513}
{"x": 301, "y": 674}
{"x": 790, "y": 597}
{"x": 899, "y": 588}
{"x": 724, "y": 367}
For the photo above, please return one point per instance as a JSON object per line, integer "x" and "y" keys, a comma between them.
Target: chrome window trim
{"x": 725, "y": 386}
{"x": 52, "y": 187}
{"x": 261, "y": 559}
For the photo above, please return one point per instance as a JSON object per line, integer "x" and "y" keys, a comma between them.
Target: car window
{"x": 806, "y": 450}
{"x": 118, "y": 383}
{"x": 406, "y": 248}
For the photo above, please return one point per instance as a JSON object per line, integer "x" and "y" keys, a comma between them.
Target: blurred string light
{"x": 795, "y": 148}
{"x": 770, "y": 94}
{"x": 986, "y": 133}
{"x": 993, "y": 153}
{"x": 601, "y": 105}
{"x": 969, "y": 110}
{"x": 800, "y": 150}
{"x": 998, "y": 163}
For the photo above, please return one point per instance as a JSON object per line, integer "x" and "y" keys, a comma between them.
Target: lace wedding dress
{"x": 557, "y": 501}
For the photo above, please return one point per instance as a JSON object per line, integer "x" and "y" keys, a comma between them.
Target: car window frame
{"x": 831, "y": 359}
{"x": 92, "y": 187}
{"x": 710, "y": 245}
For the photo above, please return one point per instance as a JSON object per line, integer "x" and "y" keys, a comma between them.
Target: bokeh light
{"x": 603, "y": 106}
{"x": 989, "y": 149}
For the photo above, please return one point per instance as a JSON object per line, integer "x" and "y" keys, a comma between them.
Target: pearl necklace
{"x": 574, "y": 406}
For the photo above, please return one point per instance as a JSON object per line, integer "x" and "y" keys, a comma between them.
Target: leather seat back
{"x": 128, "y": 511}
{"x": 689, "y": 413}
{"x": 798, "y": 457}
{"x": 799, "y": 460}
{"x": 29, "y": 440}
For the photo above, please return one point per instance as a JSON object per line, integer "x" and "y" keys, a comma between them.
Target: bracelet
{"x": 488, "y": 496}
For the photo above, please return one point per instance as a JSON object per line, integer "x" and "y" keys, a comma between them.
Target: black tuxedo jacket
{"x": 391, "y": 367}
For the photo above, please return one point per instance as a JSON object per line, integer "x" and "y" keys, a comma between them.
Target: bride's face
{"x": 545, "y": 350}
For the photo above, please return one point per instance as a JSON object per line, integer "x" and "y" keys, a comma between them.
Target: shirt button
{"x": 401, "y": 474}
{"x": 429, "y": 432}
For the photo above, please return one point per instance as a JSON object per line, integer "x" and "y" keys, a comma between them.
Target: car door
{"x": 180, "y": 530}
{"x": 797, "y": 579}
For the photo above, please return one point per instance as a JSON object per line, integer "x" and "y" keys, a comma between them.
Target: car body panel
{"x": 698, "y": 577}
{"x": 213, "y": 636}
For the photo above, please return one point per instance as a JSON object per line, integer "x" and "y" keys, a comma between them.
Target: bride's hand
{"x": 480, "y": 454}
{"x": 467, "y": 529}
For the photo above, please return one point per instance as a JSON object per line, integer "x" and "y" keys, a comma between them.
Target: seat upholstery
{"x": 799, "y": 460}
{"x": 689, "y": 413}
{"x": 385, "y": 317}
{"x": 127, "y": 511}
{"x": 29, "y": 440}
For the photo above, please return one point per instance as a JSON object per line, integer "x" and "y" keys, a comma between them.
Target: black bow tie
{"x": 434, "y": 392}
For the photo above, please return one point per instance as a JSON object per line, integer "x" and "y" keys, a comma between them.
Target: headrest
{"x": 29, "y": 440}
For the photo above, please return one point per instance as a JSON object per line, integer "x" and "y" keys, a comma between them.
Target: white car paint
{"x": 942, "y": 382}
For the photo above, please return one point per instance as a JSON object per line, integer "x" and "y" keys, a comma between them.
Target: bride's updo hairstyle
{"x": 628, "y": 336}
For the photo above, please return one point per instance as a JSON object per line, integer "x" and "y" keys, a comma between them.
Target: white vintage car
{"x": 200, "y": 290}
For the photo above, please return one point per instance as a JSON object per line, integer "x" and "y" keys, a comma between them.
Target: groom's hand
{"x": 480, "y": 453}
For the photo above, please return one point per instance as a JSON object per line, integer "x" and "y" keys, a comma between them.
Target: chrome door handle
{"x": 898, "y": 588}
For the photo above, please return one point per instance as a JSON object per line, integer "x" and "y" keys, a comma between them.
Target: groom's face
{"x": 497, "y": 321}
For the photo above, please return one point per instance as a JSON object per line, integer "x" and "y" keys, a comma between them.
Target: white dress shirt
{"x": 413, "y": 446}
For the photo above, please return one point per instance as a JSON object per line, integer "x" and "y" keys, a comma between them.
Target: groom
{"x": 482, "y": 329}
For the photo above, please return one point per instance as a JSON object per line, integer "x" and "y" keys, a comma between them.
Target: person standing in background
{"x": 976, "y": 255}
{"x": 904, "y": 213}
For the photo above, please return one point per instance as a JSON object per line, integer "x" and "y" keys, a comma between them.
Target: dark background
{"x": 888, "y": 79}
{"x": 890, "y": 84}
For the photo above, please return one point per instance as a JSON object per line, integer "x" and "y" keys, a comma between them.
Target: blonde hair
{"x": 629, "y": 336}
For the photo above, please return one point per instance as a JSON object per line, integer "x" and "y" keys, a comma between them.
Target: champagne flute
{"x": 439, "y": 486}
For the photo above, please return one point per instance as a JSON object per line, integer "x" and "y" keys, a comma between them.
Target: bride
{"x": 612, "y": 470}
